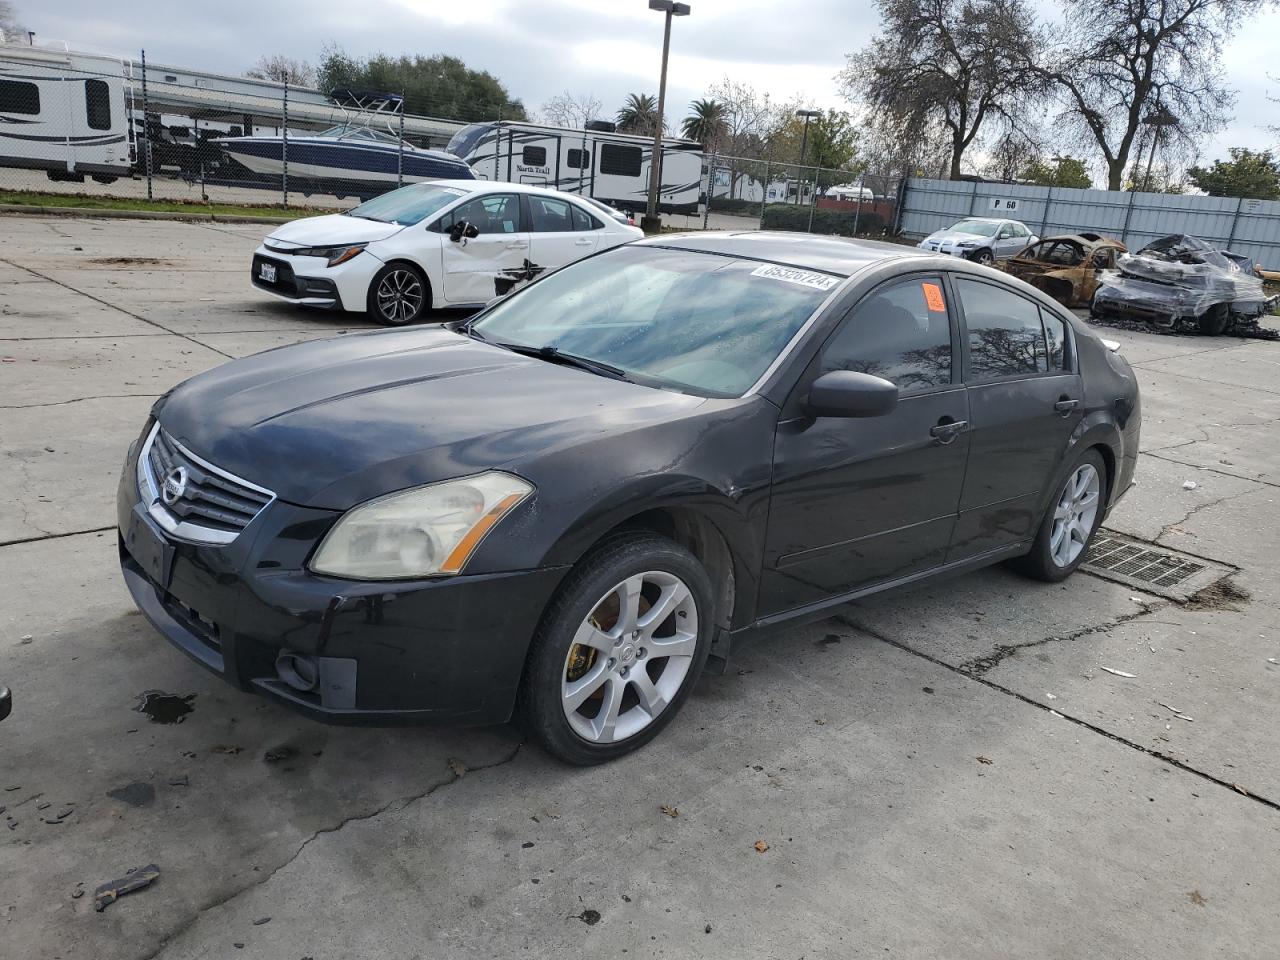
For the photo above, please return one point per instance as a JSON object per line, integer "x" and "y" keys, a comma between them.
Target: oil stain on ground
{"x": 161, "y": 707}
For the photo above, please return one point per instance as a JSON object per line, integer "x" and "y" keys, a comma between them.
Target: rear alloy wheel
{"x": 398, "y": 295}
{"x": 618, "y": 651}
{"x": 1072, "y": 519}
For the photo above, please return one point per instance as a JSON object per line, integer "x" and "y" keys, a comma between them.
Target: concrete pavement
{"x": 857, "y": 749}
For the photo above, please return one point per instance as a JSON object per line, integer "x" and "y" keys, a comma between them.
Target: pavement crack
{"x": 109, "y": 304}
{"x": 396, "y": 803}
{"x": 1168, "y": 527}
{"x": 1198, "y": 466}
{"x": 1094, "y": 728}
{"x": 61, "y": 403}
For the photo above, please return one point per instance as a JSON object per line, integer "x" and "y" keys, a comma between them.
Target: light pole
{"x": 804, "y": 144}
{"x": 651, "y": 222}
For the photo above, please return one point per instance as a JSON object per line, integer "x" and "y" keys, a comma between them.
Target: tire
{"x": 398, "y": 294}
{"x": 570, "y": 684}
{"x": 983, "y": 257}
{"x": 1215, "y": 320}
{"x": 1048, "y": 560}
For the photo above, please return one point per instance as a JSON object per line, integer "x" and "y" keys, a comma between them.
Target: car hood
{"x": 333, "y": 229}
{"x": 331, "y": 423}
{"x": 948, "y": 236}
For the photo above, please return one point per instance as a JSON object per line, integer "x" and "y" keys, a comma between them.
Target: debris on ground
{"x": 986, "y": 760}
{"x": 707, "y": 928}
{"x": 136, "y": 794}
{"x": 1120, "y": 673}
{"x": 182, "y": 781}
{"x": 588, "y": 916}
{"x": 761, "y": 846}
{"x": 1189, "y": 485}
{"x": 161, "y": 707}
{"x": 458, "y": 767}
{"x": 1196, "y": 897}
{"x": 669, "y": 810}
{"x": 261, "y": 920}
{"x": 227, "y": 749}
{"x": 111, "y": 891}
{"x": 26, "y": 638}
{"x": 276, "y": 754}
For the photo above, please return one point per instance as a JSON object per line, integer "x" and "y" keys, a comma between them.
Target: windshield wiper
{"x": 556, "y": 355}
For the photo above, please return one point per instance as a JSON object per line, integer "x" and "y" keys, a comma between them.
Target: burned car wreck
{"x": 1180, "y": 283}
{"x": 1067, "y": 268}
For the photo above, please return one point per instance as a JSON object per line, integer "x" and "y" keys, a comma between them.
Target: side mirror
{"x": 463, "y": 229}
{"x": 844, "y": 393}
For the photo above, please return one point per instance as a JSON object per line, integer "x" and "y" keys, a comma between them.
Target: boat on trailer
{"x": 363, "y": 156}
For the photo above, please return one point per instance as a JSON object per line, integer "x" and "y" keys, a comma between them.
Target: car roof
{"x": 500, "y": 186}
{"x": 838, "y": 255}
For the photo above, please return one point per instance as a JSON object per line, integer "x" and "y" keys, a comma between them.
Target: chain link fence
{"x": 99, "y": 126}
{"x": 94, "y": 126}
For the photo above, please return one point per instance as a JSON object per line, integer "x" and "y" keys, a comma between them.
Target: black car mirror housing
{"x": 846, "y": 393}
{"x": 463, "y": 230}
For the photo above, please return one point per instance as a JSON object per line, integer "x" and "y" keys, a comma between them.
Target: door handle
{"x": 1066, "y": 405}
{"x": 584, "y": 242}
{"x": 517, "y": 245}
{"x": 947, "y": 432}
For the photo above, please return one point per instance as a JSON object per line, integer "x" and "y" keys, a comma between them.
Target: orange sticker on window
{"x": 933, "y": 297}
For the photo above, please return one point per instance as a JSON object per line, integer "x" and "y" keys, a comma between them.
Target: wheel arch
{"x": 406, "y": 260}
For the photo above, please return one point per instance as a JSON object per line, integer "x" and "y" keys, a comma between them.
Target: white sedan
{"x": 980, "y": 239}
{"x": 444, "y": 243}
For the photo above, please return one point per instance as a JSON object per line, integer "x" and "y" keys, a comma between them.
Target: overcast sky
{"x": 539, "y": 48}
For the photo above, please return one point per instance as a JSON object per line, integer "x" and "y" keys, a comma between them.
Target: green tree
{"x": 638, "y": 114}
{"x": 1061, "y": 172}
{"x": 832, "y": 146}
{"x": 1254, "y": 174}
{"x": 705, "y": 123}
{"x": 437, "y": 86}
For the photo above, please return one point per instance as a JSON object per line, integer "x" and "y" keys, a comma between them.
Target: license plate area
{"x": 148, "y": 546}
{"x": 267, "y": 272}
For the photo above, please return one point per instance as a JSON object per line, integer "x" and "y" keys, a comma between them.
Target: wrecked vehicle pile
{"x": 1067, "y": 268}
{"x": 1182, "y": 284}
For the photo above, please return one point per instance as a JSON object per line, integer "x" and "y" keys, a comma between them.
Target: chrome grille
{"x": 190, "y": 497}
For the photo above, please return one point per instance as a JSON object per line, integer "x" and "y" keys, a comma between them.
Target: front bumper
{"x": 947, "y": 248}
{"x": 441, "y": 651}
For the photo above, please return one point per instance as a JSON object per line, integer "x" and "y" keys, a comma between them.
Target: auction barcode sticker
{"x": 805, "y": 278}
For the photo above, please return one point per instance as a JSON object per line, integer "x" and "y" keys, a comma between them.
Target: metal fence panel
{"x": 1250, "y": 227}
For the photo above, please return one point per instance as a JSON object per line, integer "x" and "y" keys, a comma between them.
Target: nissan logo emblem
{"x": 174, "y": 486}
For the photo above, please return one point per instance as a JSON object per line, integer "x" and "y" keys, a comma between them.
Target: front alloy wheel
{"x": 630, "y": 657}
{"x": 398, "y": 295}
{"x": 618, "y": 649}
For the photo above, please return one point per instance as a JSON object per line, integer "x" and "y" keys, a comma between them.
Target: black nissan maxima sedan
{"x": 564, "y": 507}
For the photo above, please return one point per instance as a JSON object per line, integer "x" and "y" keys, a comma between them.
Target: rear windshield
{"x": 696, "y": 322}
{"x": 408, "y": 205}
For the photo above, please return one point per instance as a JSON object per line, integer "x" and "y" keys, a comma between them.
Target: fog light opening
{"x": 298, "y": 670}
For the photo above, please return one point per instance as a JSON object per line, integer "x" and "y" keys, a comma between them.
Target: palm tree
{"x": 639, "y": 114}
{"x": 705, "y": 123}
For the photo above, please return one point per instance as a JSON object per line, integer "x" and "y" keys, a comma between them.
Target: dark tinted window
{"x": 18, "y": 97}
{"x": 1005, "y": 335}
{"x": 579, "y": 159}
{"x": 899, "y": 332}
{"x": 534, "y": 156}
{"x": 97, "y": 104}
{"x": 547, "y": 215}
{"x": 495, "y": 213}
{"x": 619, "y": 160}
{"x": 1055, "y": 332}
{"x": 583, "y": 220}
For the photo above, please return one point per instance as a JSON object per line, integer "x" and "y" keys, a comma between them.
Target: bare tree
{"x": 1142, "y": 68}
{"x": 10, "y": 28}
{"x": 567, "y": 110}
{"x": 959, "y": 63}
{"x": 282, "y": 69}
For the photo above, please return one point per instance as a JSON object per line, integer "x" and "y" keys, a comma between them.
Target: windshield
{"x": 979, "y": 228}
{"x": 408, "y": 205}
{"x": 464, "y": 140}
{"x": 698, "y": 322}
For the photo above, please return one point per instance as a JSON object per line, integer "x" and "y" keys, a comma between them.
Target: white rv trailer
{"x": 609, "y": 166}
{"x": 64, "y": 113}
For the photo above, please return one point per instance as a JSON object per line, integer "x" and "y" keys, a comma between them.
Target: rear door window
{"x": 583, "y": 220}
{"x": 548, "y": 215}
{"x": 900, "y": 332}
{"x": 1005, "y": 334}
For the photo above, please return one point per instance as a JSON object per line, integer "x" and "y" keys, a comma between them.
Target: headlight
{"x": 335, "y": 255}
{"x": 423, "y": 532}
{"x": 965, "y": 243}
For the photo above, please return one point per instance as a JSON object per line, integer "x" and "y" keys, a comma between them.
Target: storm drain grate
{"x": 1154, "y": 569}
